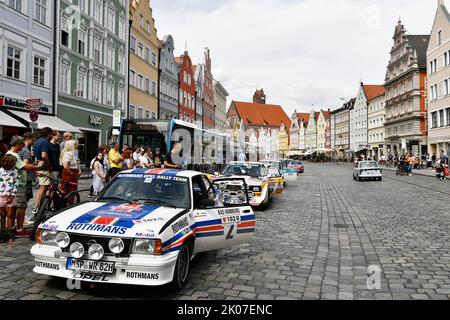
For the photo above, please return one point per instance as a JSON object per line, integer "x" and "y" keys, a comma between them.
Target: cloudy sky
{"x": 304, "y": 53}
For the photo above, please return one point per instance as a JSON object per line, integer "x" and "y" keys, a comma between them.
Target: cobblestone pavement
{"x": 315, "y": 242}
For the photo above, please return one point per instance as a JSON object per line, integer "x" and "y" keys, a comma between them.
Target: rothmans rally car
{"x": 260, "y": 186}
{"x": 143, "y": 229}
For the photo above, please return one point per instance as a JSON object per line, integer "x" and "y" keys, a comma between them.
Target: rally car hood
{"x": 113, "y": 219}
{"x": 249, "y": 180}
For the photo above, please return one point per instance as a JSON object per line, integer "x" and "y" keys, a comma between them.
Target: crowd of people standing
{"x": 29, "y": 155}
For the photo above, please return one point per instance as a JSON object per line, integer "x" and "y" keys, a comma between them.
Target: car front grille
{"x": 86, "y": 241}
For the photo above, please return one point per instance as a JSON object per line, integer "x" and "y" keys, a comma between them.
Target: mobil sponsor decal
{"x": 114, "y": 218}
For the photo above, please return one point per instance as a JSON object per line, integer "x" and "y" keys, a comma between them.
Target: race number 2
{"x": 230, "y": 230}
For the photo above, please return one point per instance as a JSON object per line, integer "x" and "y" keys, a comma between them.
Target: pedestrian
{"x": 145, "y": 159}
{"x": 433, "y": 159}
{"x": 158, "y": 159}
{"x": 17, "y": 144}
{"x": 42, "y": 149}
{"x": 172, "y": 156}
{"x": 127, "y": 160}
{"x": 104, "y": 150}
{"x": 67, "y": 136}
{"x": 55, "y": 152}
{"x": 27, "y": 157}
{"x": 444, "y": 158}
{"x": 9, "y": 185}
{"x": 115, "y": 160}
{"x": 70, "y": 171}
{"x": 136, "y": 154}
{"x": 76, "y": 154}
{"x": 99, "y": 174}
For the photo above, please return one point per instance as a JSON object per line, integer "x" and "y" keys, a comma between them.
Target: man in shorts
{"x": 27, "y": 158}
{"x": 42, "y": 149}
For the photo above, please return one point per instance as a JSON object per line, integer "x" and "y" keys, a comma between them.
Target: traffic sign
{"x": 33, "y": 126}
{"x": 33, "y": 104}
{"x": 34, "y": 116}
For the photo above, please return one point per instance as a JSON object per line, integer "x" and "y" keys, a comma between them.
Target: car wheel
{"x": 358, "y": 178}
{"x": 380, "y": 179}
{"x": 181, "y": 273}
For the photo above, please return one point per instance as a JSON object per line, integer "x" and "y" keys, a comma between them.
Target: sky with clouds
{"x": 304, "y": 53}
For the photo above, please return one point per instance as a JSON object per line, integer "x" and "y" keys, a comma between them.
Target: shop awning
{"x": 8, "y": 121}
{"x": 48, "y": 121}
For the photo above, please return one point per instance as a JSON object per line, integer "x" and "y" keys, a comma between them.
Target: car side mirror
{"x": 206, "y": 203}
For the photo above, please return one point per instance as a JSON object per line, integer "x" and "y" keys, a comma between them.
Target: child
{"x": 9, "y": 185}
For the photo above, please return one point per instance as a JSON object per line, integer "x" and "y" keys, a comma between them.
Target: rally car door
{"x": 218, "y": 227}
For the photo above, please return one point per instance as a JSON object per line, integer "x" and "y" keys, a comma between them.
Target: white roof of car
{"x": 170, "y": 172}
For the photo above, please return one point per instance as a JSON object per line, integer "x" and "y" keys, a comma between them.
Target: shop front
{"x": 94, "y": 129}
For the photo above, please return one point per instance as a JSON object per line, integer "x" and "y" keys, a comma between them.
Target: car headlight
{"x": 255, "y": 189}
{"x": 116, "y": 245}
{"x": 226, "y": 193}
{"x": 46, "y": 237}
{"x": 96, "y": 252}
{"x": 62, "y": 240}
{"x": 251, "y": 195}
{"x": 145, "y": 246}
{"x": 241, "y": 194}
{"x": 77, "y": 250}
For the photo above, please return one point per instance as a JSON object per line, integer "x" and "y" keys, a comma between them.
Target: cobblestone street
{"x": 314, "y": 242}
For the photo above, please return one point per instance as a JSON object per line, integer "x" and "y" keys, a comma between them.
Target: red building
{"x": 209, "y": 114}
{"x": 186, "y": 81}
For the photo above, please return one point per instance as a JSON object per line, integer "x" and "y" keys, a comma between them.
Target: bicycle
{"x": 401, "y": 169}
{"x": 54, "y": 200}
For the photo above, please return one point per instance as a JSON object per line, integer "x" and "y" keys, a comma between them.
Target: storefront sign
{"x": 95, "y": 120}
{"x": 117, "y": 115}
{"x": 21, "y": 104}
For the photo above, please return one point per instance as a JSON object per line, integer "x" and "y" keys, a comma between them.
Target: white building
{"x": 359, "y": 117}
{"x": 376, "y": 129}
{"x": 220, "y": 103}
{"x": 26, "y": 59}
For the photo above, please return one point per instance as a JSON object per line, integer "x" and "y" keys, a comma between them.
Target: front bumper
{"x": 135, "y": 270}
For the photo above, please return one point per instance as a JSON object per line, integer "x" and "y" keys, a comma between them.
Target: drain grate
{"x": 342, "y": 226}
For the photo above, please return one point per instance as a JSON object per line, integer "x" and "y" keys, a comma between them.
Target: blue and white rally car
{"x": 144, "y": 229}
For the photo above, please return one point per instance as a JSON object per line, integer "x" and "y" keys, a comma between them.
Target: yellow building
{"x": 283, "y": 142}
{"x": 144, "y": 61}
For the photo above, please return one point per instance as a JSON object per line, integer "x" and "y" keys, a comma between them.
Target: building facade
{"x": 358, "y": 123}
{"x": 186, "y": 100}
{"x": 144, "y": 64}
{"x": 304, "y": 120}
{"x": 328, "y": 130}
{"x": 263, "y": 122}
{"x": 311, "y": 132}
{"x": 26, "y": 63}
{"x": 220, "y": 103}
{"x": 198, "y": 75}
{"x": 209, "y": 117}
{"x": 376, "y": 131}
{"x": 438, "y": 60}
{"x": 322, "y": 123}
{"x": 294, "y": 135}
{"x": 342, "y": 129}
{"x": 168, "y": 80}
{"x": 92, "y": 69}
{"x": 406, "y": 128}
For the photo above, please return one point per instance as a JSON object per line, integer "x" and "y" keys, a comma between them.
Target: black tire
{"x": 181, "y": 272}
{"x": 380, "y": 179}
{"x": 40, "y": 217}
{"x": 359, "y": 179}
{"x": 354, "y": 178}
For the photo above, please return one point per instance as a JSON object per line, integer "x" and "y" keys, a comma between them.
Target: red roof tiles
{"x": 262, "y": 114}
{"x": 373, "y": 91}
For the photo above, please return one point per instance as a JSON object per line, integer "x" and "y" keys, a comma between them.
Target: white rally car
{"x": 260, "y": 189}
{"x": 144, "y": 229}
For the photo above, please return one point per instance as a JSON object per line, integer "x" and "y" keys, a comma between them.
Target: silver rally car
{"x": 367, "y": 170}
{"x": 144, "y": 229}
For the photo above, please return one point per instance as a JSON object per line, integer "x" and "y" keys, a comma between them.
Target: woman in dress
{"x": 99, "y": 174}
{"x": 127, "y": 160}
{"x": 70, "y": 173}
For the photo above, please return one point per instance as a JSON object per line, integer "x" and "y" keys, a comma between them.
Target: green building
{"x": 92, "y": 68}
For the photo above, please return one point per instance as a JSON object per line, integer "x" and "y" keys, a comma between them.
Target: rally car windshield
{"x": 167, "y": 191}
{"x": 252, "y": 170}
{"x": 368, "y": 165}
